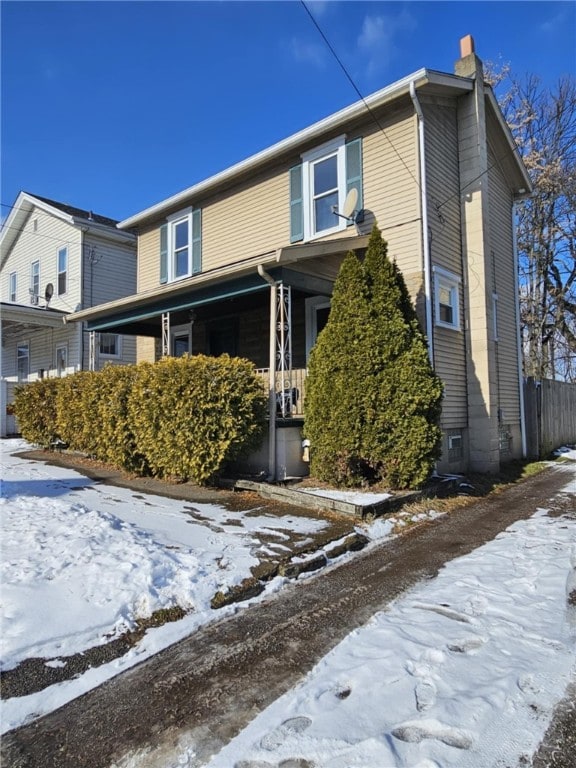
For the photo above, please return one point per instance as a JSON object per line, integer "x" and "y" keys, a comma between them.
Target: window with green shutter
{"x": 319, "y": 186}
{"x": 181, "y": 245}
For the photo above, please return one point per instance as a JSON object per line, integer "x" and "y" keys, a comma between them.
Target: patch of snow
{"x": 461, "y": 672}
{"x": 359, "y": 498}
{"x": 566, "y": 452}
{"x": 81, "y": 562}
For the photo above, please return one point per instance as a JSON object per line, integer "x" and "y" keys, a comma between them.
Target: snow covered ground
{"x": 81, "y": 562}
{"x": 462, "y": 671}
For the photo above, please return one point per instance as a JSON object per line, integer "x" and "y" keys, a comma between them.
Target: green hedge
{"x": 35, "y": 409}
{"x": 181, "y": 417}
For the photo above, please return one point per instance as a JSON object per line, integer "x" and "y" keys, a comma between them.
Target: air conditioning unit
{"x": 34, "y": 298}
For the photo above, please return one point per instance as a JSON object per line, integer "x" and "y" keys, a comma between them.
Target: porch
{"x": 268, "y": 309}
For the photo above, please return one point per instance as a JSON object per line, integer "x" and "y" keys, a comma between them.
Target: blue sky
{"x": 114, "y": 106}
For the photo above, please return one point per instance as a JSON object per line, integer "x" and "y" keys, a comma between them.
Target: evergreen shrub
{"x": 190, "y": 415}
{"x": 35, "y": 409}
{"x": 373, "y": 401}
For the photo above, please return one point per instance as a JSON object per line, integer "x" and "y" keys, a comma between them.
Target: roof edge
{"x": 420, "y": 78}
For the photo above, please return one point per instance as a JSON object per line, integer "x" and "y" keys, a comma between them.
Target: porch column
{"x": 91, "y": 351}
{"x": 284, "y": 346}
{"x": 272, "y": 385}
{"x": 165, "y": 334}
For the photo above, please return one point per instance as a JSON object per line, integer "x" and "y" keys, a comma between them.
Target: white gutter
{"x": 518, "y": 335}
{"x": 425, "y": 235}
{"x": 271, "y": 375}
{"x": 293, "y": 142}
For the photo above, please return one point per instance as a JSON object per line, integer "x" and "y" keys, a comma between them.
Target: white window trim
{"x": 311, "y": 305}
{"x": 13, "y": 289}
{"x": 118, "y": 354}
{"x": 445, "y": 279}
{"x": 172, "y": 220}
{"x": 58, "y": 348}
{"x": 59, "y": 272}
{"x": 336, "y": 146}
{"x": 34, "y": 296}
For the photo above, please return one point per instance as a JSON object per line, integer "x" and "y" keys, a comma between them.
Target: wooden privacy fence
{"x": 550, "y": 413}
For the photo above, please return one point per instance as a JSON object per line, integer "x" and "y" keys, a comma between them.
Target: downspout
{"x": 272, "y": 375}
{"x": 518, "y": 335}
{"x": 425, "y": 235}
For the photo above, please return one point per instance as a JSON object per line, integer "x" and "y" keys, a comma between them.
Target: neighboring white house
{"x": 57, "y": 259}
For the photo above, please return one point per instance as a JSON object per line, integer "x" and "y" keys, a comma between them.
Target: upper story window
{"x": 62, "y": 270}
{"x": 181, "y": 245}
{"x": 446, "y": 298}
{"x": 12, "y": 287}
{"x": 319, "y": 186}
{"x": 34, "y": 282}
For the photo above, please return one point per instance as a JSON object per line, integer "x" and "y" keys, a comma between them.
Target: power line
{"x": 371, "y": 112}
{"x": 353, "y": 84}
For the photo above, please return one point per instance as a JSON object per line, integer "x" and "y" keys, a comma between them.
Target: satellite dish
{"x": 48, "y": 293}
{"x": 350, "y": 203}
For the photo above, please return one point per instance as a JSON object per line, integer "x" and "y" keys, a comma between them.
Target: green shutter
{"x": 354, "y": 171}
{"x": 296, "y": 205}
{"x": 164, "y": 253}
{"x": 196, "y": 241}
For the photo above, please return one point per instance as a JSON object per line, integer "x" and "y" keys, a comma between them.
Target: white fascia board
{"x": 390, "y": 92}
{"x": 22, "y": 208}
{"x": 105, "y": 231}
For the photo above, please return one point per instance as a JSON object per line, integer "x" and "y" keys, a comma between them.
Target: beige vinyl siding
{"x": 501, "y": 238}
{"x": 441, "y": 141}
{"x": 41, "y": 238}
{"x": 252, "y": 218}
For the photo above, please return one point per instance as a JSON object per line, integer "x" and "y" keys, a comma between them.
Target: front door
{"x": 317, "y": 313}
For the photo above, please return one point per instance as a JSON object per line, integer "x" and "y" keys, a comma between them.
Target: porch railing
{"x": 290, "y": 391}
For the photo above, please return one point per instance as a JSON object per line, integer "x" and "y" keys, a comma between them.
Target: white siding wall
{"x": 42, "y": 236}
{"x": 42, "y": 345}
{"x": 109, "y": 273}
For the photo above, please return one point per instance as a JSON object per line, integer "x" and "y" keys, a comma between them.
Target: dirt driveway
{"x": 200, "y": 692}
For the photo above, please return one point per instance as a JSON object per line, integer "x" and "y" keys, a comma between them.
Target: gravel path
{"x": 203, "y": 690}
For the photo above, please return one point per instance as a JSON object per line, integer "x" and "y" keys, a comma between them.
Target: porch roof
{"x": 130, "y": 313}
{"x": 20, "y": 318}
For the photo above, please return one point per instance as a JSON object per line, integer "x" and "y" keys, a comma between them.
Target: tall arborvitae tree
{"x": 334, "y": 412}
{"x": 386, "y": 428}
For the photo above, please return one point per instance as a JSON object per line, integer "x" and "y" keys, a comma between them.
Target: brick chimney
{"x": 468, "y": 65}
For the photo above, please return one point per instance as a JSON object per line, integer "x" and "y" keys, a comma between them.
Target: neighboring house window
{"x": 62, "y": 271}
{"x": 109, "y": 345}
{"x": 446, "y": 290}
{"x": 61, "y": 360}
{"x": 34, "y": 282}
{"x": 181, "y": 246}
{"x": 12, "y": 288}
{"x": 23, "y": 361}
{"x": 319, "y": 186}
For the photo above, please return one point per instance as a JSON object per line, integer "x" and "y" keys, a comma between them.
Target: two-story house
{"x": 245, "y": 261}
{"x": 57, "y": 259}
